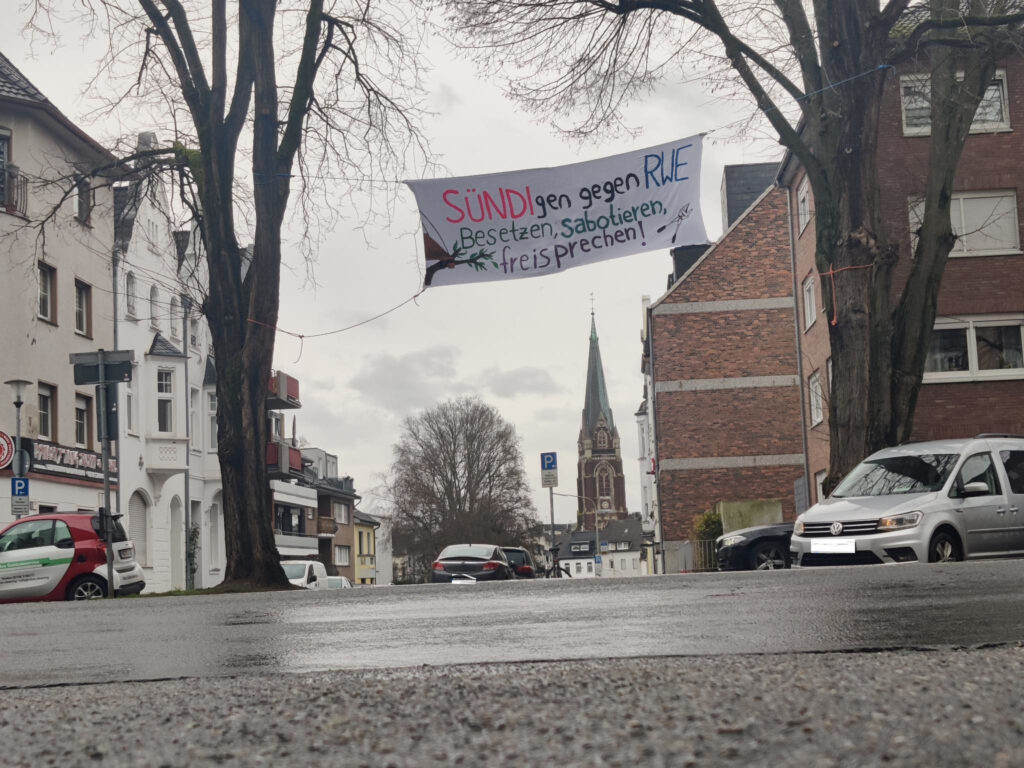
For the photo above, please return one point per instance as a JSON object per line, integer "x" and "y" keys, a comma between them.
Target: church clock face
{"x": 605, "y": 504}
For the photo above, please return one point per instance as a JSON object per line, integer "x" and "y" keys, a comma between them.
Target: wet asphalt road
{"x": 866, "y": 608}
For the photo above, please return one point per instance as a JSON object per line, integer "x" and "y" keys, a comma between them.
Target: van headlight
{"x": 898, "y": 522}
{"x": 798, "y": 527}
{"x": 731, "y": 541}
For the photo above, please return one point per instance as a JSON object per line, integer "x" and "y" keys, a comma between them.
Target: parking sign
{"x": 549, "y": 470}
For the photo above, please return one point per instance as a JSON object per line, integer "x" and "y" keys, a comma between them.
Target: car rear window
{"x": 119, "y": 532}
{"x": 516, "y": 556}
{"x": 294, "y": 570}
{"x": 894, "y": 475}
{"x": 478, "y": 551}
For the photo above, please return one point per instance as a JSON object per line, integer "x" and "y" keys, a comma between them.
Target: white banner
{"x": 504, "y": 226}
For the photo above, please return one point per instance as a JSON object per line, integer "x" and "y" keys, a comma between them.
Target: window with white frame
{"x": 342, "y": 554}
{"x": 828, "y": 375}
{"x": 211, "y": 413}
{"x": 83, "y": 193}
{"x": 129, "y": 404}
{"x": 214, "y": 536}
{"x": 130, "y": 295}
{"x": 604, "y": 482}
{"x": 165, "y": 400}
{"x": 976, "y": 348}
{"x": 154, "y": 307}
{"x": 47, "y": 402}
{"x": 83, "y": 308}
{"x": 340, "y": 512}
{"x": 810, "y": 302}
{"x": 138, "y": 527}
{"x": 47, "y": 293}
{"x": 590, "y": 567}
{"x": 83, "y": 421}
{"x": 992, "y": 113}
{"x": 985, "y": 223}
{"x": 814, "y": 392}
{"x": 193, "y": 332}
{"x": 803, "y": 205}
{"x": 579, "y": 568}
{"x": 819, "y": 484}
{"x": 195, "y": 438}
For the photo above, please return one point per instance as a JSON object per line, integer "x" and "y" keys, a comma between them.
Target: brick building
{"x": 974, "y": 376}
{"x": 722, "y": 359}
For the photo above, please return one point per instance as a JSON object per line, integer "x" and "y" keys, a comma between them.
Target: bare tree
{"x": 458, "y": 476}
{"x": 816, "y": 72}
{"x": 304, "y": 97}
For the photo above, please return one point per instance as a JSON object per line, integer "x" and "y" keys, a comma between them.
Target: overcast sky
{"x": 520, "y": 346}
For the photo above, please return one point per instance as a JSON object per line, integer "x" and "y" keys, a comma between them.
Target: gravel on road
{"x": 892, "y": 708}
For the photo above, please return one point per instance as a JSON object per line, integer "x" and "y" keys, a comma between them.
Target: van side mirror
{"x": 975, "y": 489}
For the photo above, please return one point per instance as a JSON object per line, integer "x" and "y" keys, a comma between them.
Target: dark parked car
{"x": 521, "y": 561}
{"x": 761, "y": 548}
{"x": 470, "y": 562}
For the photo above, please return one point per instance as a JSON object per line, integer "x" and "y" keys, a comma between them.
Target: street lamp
{"x": 18, "y": 388}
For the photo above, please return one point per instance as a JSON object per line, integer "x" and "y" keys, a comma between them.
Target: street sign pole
{"x": 106, "y": 519}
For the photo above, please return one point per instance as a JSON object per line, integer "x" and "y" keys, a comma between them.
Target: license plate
{"x": 834, "y": 546}
{"x": 125, "y": 554}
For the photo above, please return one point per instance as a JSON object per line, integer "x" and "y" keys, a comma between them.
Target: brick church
{"x": 600, "y": 484}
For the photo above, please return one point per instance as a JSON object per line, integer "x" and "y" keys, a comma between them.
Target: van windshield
{"x": 294, "y": 570}
{"x": 898, "y": 474}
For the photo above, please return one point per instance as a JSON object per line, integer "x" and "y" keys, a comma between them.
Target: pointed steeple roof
{"x": 596, "y": 403}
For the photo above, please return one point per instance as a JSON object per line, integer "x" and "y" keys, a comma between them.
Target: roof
{"x": 163, "y": 347}
{"x": 210, "y": 374}
{"x": 363, "y": 517}
{"x": 15, "y": 87}
{"x": 629, "y": 530}
{"x": 126, "y": 206}
{"x": 595, "y": 404}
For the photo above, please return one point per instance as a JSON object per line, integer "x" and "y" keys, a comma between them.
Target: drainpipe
{"x": 115, "y": 257}
{"x": 658, "y": 558}
{"x": 186, "y": 307}
{"x": 799, "y": 348}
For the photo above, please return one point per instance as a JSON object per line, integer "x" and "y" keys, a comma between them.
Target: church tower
{"x": 600, "y": 483}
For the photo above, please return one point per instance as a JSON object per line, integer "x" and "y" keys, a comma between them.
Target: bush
{"x": 708, "y": 527}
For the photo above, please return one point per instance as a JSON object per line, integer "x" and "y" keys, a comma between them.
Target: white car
{"x": 311, "y": 574}
{"x": 931, "y": 501}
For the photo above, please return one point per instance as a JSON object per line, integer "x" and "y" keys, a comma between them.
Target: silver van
{"x": 920, "y": 502}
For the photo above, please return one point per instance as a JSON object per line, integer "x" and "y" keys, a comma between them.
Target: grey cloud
{"x": 517, "y": 381}
{"x": 410, "y": 381}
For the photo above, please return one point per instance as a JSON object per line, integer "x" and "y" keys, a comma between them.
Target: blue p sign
{"x": 19, "y": 486}
{"x": 549, "y": 461}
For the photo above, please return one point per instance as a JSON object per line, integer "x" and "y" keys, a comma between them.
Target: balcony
{"x": 367, "y": 561}
{"x": 164, "y": 455}
{"x": 326, "y": 527}
{"x": 283, "y": 461}
{"x": 13, "y": 190}
{"x": 282, "y": 391}
{"x": 296, "y": 544}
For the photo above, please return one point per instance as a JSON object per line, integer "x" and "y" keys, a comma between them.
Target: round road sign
{"x": 6, "y": 450}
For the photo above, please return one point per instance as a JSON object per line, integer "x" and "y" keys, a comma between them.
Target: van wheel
{"x": 944, "y": 548}
{"x": 87, "y": 588}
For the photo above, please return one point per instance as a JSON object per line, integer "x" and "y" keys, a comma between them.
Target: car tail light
{"x": 438, "y": 565}
{"x": 525, "y": 570}
{"x": 490, "y": 566}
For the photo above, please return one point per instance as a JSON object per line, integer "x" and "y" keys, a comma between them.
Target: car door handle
{"x": 1000, "y": 510}
{"x": 1013, "y": 510}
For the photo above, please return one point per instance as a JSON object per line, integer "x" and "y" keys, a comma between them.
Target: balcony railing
{"x": 164, "y": 455}
{"x": 282, "y": 391}
{"x": 293, "y": 544}
{"x": 367, "y": 560}
{"x": 283, "y": 461}
{"x": 326, "y": 527}
{"x": 13, "y": 190}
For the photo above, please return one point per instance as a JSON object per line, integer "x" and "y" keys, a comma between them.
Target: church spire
{"x": 595, "y": 404}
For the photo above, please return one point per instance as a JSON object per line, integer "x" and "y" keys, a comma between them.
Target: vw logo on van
{"x": 836, "y": 528}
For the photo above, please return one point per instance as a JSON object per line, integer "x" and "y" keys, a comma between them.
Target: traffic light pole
{"x": 106, "y": 520}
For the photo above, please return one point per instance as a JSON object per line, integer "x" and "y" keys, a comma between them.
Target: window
{"x": 138, "y": 527}
{"x": 819, "y": 484}
{"x": 154, "y": 302}
{"x": 602, "y": 439}
{"x": 604, "y": 482}
{"x": 47, "y": 411}
{"x": 814, "y": 391}
{"x": 828, "y": 374}
{"x": 636, "y": 563}
{"x": 195, "y": 439}
{"x": 1013, "y": 463}
{"x": 611, "y": 563}
{"x": 979, "y": 469}
{"x": 361, "y": 549}
{"x": 28, "y": 535}
{"x": 193, "y": 332}
{"x": 985, "y": 223}
{"x": 175, "y": 314}
{"x": 47, "y": 293}
{"x": 810, "y": 302}
{"x": 214, "y": 537}
{"x": 130, "y": 296}
{"x": 342, "y": 554}
{"x": 991, "y": 115}
{"x": 83, "y": 193}
{"x": 579, "y": 568}
{"x": 340, "y": 512}
{"x": 211, "y": 412}
{"x": 803, "y": 205}
{"x": 590, "y": 567}
{"x": 129, "y": 404}
{"x": 165, "y": 401}
{"x": 83, "y": 308}
{"x": 982, "y": 347}
{"x": 83, "y": 421}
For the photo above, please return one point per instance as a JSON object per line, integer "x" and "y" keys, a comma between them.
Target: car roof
{"x": 958, "y": 445}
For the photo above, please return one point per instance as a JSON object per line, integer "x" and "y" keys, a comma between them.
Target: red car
{"x": 64, "y": 557}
